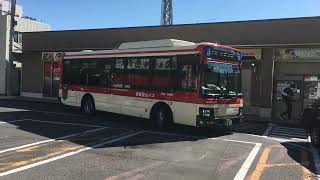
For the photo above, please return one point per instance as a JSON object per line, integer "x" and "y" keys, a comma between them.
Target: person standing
{"x": 287, "y": 97}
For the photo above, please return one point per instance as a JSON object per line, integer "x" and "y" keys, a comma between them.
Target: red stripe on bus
{"x": 178, "y": 96}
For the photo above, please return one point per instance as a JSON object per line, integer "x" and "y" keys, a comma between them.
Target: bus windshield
{"x": 221, "y": 79}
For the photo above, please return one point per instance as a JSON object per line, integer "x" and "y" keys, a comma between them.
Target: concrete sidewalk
{"x": 30, "y": 99}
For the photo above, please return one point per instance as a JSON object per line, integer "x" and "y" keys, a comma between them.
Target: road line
{"x": 261, "y": 165}
{"x": 248, "y": 162}
{"x": 55, "y": 122}
{"x": 68, "y": 154}
{"x": 174, "y": 134}
{"x": 3, "y": 122}
{"x": 231, "y": 140}
{"x": 50, "y": 140}
{"x": 58, "y": 113}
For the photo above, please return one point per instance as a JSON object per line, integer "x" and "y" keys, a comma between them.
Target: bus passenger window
{"x": 188, "y": 66}
{"x": 118, "y": 76}
{"x": 105, "y": 70}
{"x": 188, "y": 77}
{"x": 165, "y": 74}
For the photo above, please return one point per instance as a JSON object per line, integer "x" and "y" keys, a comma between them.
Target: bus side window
{"x": 138, "y": 73}
{"x": 89, "y": 74}
{"x": 106, "y": 70}
{"x": 164, "y": 76}
{"x": 71, "y": 70}
{"x": 188, "y": 66}
{"x": 119, "y": 73}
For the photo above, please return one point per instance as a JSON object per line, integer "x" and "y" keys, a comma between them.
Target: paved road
{"x": 50, "y": 141}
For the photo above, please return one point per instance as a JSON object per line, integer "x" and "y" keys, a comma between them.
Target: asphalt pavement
{"x": 40, "y": 140}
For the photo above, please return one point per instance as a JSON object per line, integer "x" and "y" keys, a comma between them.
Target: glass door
{"x": 51, "y": 79}
{"x": 311, "y": 90}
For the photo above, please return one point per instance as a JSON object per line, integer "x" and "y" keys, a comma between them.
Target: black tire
{"x": 88, "y": 106}
{"x": 315, "y": 137}
{"x": 162, "y": 117}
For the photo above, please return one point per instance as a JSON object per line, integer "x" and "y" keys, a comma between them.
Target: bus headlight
{"x": 206, "y": 112}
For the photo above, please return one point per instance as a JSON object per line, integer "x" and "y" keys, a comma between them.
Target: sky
{"x": 93, "y": 14}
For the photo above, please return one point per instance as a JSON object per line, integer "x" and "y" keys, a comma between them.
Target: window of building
{"x": 17, "y": 37}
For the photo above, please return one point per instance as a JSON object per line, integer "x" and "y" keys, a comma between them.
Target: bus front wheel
{"x": 88, "y": 106}
{"x": 162, "y": 117}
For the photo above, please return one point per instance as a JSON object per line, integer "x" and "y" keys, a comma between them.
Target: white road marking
{"x": 64, "y": 123}
{"x": 4, "y": 109}
{"x": 50, "y": 140}
{"x": 247, "y": 163}
{"x": 58, "y": 113}
{"x": 68, "y": 154}
{"x": 8, "y": 122}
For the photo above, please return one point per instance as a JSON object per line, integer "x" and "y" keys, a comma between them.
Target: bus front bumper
{"x": 217, "y": 122}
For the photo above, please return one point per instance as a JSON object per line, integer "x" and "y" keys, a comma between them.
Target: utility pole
{"x": 10, "y": 63}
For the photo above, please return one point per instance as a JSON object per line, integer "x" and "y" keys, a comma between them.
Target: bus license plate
{"x": 228, "y": 122}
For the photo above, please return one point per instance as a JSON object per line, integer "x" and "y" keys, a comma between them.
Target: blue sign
{"x": 238, "y": 56}
{"x": 208, "y": 51}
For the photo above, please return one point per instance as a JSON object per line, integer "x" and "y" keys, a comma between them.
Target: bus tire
{"x": 87, "y": 105}
{"x": 315, "y": 137}
{"x": 162, "y": 117}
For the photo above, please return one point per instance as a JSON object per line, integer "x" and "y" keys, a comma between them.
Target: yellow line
{"x": 262, "y": 164}
{"x": 28, "y": 149}
{"x": 305, "y": 162}
{"x": 25, "y": 162}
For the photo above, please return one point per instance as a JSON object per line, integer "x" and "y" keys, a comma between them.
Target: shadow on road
{"x": 301, "y": 153}
{"x": 70, "y": 123}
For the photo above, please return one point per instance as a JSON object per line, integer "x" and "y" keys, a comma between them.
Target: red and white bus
{"x": 167, "y": 81}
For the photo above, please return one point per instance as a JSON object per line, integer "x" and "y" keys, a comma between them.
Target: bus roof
{"x": 147, "y": 47}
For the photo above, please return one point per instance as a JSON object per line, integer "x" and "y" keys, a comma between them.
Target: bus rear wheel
{"x": 88, "y": 106}
{"x": 162, "y": 117}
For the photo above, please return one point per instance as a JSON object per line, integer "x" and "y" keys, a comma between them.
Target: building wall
{"x": 32, "y": 73}
{"x": 288, "y": 31}
{"x": 4, "y": 51}
{"x": 23, "y": 25}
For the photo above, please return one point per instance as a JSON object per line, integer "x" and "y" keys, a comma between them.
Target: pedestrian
{"x": 287, "y": 97}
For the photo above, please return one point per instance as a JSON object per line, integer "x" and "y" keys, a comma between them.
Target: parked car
{"x": 310, "y": 120}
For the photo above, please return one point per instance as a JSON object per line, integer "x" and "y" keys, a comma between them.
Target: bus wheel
{"x": 315, "y": 137}
{"x": 162, "y": 117}
{"x": 88, "y": 106}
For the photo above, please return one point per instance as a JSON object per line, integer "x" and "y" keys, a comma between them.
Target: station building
{"x": 277, "y": 53}
{"x": 22, "y": 25}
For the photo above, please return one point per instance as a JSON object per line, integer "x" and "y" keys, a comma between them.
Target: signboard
{"x": 297, "y": 53}
{"x": 52, "y": 56}
{"x": 251, "y": 54}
